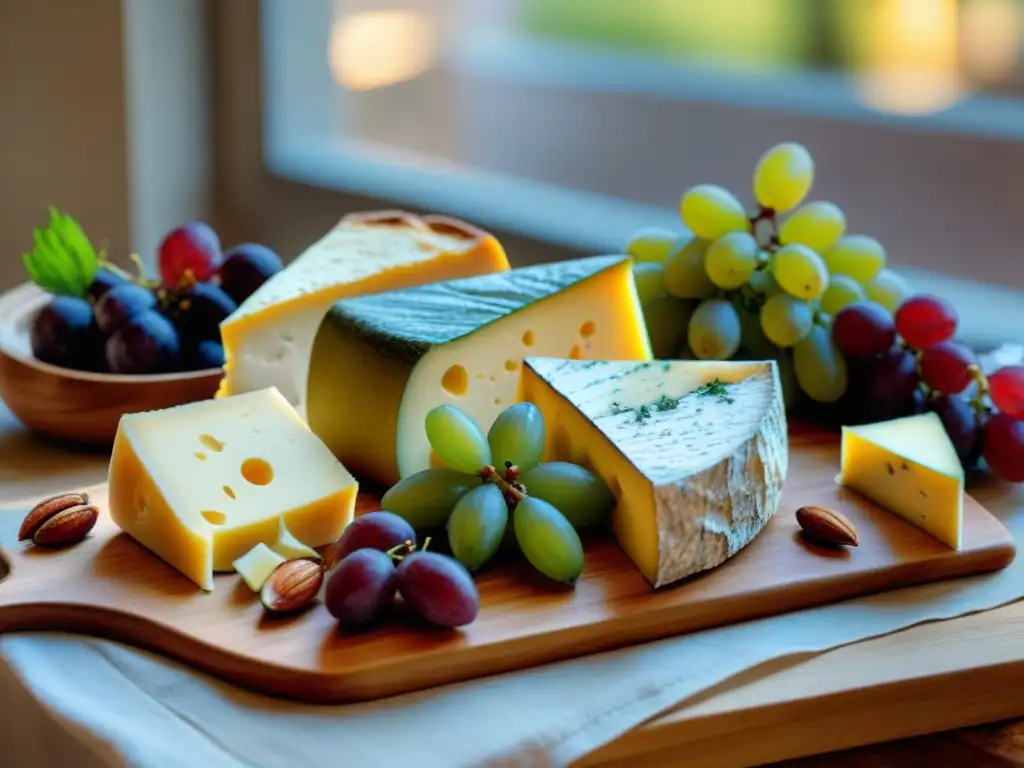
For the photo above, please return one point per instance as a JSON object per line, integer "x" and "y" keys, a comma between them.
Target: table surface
{"x": 924, "y": 664}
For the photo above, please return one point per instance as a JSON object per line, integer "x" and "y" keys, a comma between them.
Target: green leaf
{"x": 62, "y": 259}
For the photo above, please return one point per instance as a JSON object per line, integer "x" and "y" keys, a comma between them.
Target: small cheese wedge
{"x": 202, "y": 484}
{"x": 696, "y": 452}
{"x": 256, "y": 565}
{"x": 291, "y": 548}
{"x": 910, "y": 467}
{"x": 380, "y": 363}
{"x": 267, "y": 340}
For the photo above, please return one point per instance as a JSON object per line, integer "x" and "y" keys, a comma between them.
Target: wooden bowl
{"x": 78, "y": 406}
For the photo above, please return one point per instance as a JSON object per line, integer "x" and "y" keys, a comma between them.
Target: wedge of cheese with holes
{"x": 380, "y": 363}
{"x": 202, "y": 484}
{"x": 910, "y": 467}
{"x": 695, "y": 452}
{"x": 267, "y": 340}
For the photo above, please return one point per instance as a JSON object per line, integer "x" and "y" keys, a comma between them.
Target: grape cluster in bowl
{"x": 105, "y": 320}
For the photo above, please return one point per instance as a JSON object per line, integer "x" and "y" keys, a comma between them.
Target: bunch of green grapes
{"x": 494, "y": 490}
{"x": 761, "y": 284}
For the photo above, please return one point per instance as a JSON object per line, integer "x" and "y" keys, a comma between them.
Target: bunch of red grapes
{"x": 910, "y": 363}
{"x": 134, "y": 326}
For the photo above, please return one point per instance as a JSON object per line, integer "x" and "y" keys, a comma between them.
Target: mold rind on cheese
{"x": 697, "y": 476}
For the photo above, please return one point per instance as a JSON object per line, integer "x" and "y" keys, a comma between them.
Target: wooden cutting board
{"x": 109, "y": 586}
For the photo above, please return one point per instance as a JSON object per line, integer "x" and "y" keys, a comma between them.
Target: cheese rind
{"x": 910, "y": 467}
{"x": 697, "y": 468}
{"x": 202, "y": 484}
{"x": 380, "y": 363}
{"x": 267, "y": 340}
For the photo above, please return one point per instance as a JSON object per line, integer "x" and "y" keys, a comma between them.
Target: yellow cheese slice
{"x": 910, "y": 467}
{"x": 267, "y": 340}
{"x": 381, "y": 363}
{"x": 200, "y": 485}
{"x": 695, "y": 452}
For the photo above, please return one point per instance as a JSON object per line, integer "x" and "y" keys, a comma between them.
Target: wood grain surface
{"x": 110, "y": 586}
{"x": 78, "y": 406}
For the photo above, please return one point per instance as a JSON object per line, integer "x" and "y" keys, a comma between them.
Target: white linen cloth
{"x": 87, "y": 703}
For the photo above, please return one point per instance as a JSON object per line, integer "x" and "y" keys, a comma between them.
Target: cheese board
{"x": 107, "y": 585}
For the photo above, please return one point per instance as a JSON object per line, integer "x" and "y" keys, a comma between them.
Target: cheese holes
{"x": 576, "y": 353}
{"x": 200, "y": 455}
{"x": 511, "y": 366}
{"x": 497, "y": 401}
{"x": 228, "y": 492}
{"x": 587, "y": 329}
{"x": 212, "y": 443}
{"x": 257, "y": 471}
{"x": 213, "y": 517}
{"x": 529, "y": 338}
{"x": 455, "y": 381}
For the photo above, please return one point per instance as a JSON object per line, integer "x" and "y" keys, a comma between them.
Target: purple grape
{"x": 962, "y": 425}
{"x": 438, "y": 588}
{"x": 146, "y": 344}
{"x": 120, "y": 304}
{"x": 205, "y": 354}
{"x": 102, "y": 282}
{"x": 246, "y": 267}
{"x": 200, "y": 311}
{"x": 375, "y": 530}
{"x": 892, "y": 377}
{"x": 61, "y": 333}
{"x": 863, "y": 330}
{"x": 361, "y": 587}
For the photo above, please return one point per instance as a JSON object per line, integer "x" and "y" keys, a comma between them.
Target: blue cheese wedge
{"x": 910, "y": 467}
{"x": 696, "y": 452}
{"x": 381, "y": 363}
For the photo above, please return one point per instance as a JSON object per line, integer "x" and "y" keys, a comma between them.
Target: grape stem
{"x": 139, "y": 279}
{"x": 397, "y": 553}
{"x": 512, "y": 491}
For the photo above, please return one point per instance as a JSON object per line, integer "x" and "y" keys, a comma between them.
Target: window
{"x": 578, "y": 121}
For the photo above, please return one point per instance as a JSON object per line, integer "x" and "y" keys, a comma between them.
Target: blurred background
{"x": 562, "y": 125}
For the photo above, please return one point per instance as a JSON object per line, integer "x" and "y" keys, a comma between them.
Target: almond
{"x": 46, "y": 509}
{"x": 292, "y": 586}
{"x": 826, "y": 526}
{"x": 67, "y": 526}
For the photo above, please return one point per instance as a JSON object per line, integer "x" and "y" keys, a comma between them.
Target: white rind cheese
{"x": 695, "y": 452}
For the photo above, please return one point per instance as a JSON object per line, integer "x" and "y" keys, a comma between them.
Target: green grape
{"x": 650, "y": 281}
{"x": 477, "y": 526}
{"x": 842, "y": 290}
{"x": 666, "y": 318}
{"x": 548, "y": 540}
{"x": 517, "y": 436}
{"x": 714, "y": 330}
{"x": 800, "y": 272}
{"x": 426, "y": 499}
{"x": 764, "y": 283}
{"x": 820, "y": 368}
{"x": 888, "y": 289}
{"x": 787, "y": 376}
{"x": 858, "y": 256}
{"x": 580, "y": 495}
{"x": 651, "y": 244}
{"x": 783, "y": 177}
{"x": 785, "y": 319}
{"x": 732, "y": 259}
{"x": 457, "y": 440}
{"x": 752, "y": 339}
{"x": 710, "y": 211}
{"x": 685, "y": 275}
{"x": 818, "y": 225}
